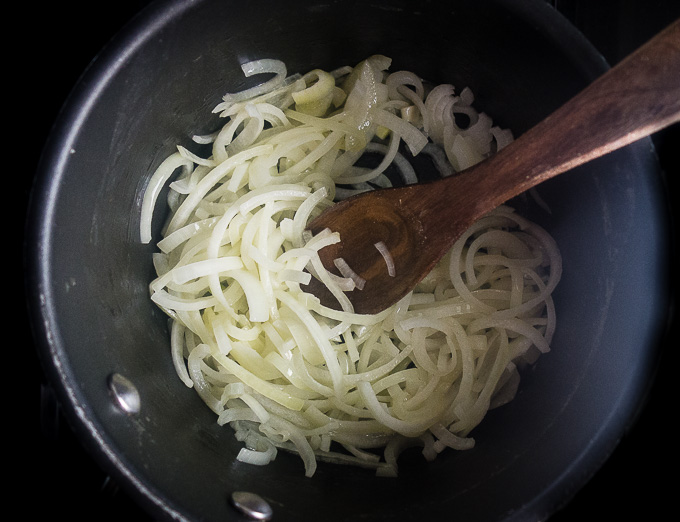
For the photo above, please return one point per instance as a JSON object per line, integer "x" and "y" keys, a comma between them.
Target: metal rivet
{"x": 125, "y": 393}
{"x": 251, "y": 505}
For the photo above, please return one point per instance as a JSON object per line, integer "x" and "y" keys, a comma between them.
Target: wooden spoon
{"x": 419, "y": 223}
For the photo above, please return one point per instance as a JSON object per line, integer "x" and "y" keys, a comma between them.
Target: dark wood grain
{"x": 419, "y": 223}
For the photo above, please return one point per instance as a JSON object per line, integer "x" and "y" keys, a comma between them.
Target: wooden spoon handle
{"x": 634, "y": 99}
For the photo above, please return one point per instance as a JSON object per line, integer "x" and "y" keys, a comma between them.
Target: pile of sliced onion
{"x": 286, "y": 372}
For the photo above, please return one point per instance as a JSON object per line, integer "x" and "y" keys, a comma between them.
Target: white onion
{"x": 153, "y": 189}
{"x": 259, "y": 67}
{"x": 285, "y": 371}
{"x": 347, "y": 271}
{"x": 387, "y": 256}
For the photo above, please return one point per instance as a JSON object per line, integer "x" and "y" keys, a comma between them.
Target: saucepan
{"x": 105, "y": 346}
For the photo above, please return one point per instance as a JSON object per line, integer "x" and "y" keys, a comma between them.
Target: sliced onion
{"x": 285, "y": 371}
{"x": 347, "y": 271}
{"x": 158, "y": 180}
{"x": 264, "y": 66}
{"x": 387, "y": 256}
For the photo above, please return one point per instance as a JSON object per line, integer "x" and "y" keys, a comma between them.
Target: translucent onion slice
{"x": 387, "y": 256}
{"x": 347, "y": 271}
{"x": 264, "y": 66}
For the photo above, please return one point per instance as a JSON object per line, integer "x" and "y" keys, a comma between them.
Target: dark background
{"x": 55, "y": 43}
